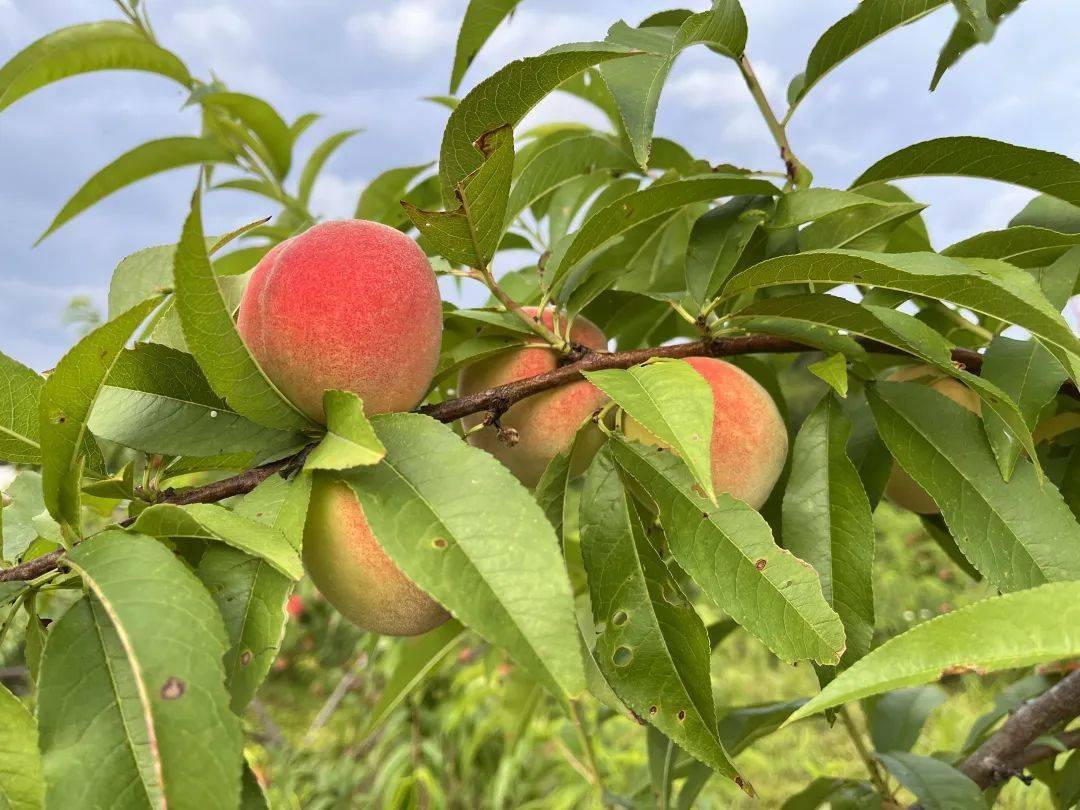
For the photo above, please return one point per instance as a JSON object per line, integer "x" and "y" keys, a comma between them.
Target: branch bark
{"x": 497, "y": 401}
{"x": 1009, "y": 750}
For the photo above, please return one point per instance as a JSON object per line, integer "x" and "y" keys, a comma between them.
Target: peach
{"x": 351, "y": 305}
{"x": 901, "y": 489}
{"x": 545, "y": 423}
{"x": 749, "y": 438}
{"x": 352, "y": 571}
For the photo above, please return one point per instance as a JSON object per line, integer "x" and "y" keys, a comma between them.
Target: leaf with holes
{"x": 728, "y": 550}
{"x": 132, "y": 706}
{"x": 827, "y": 522}
{"x": 653, "y": 650}
{"x": 66, "y": 401}
{"x": 460, "y": 526}
{"x": 1019, "y": 533}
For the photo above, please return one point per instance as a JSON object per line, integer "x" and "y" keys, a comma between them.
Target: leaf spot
{"x": 439, "y": 543}
{"x": 653, "y": 710}
{"x": 760, "y": 564}
{"x": 245, "y": 658}
{"x": 173, "y": 689}
{"x": 681, "y": 715}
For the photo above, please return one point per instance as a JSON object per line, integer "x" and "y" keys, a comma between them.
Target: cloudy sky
{"x": 367, "y": 63}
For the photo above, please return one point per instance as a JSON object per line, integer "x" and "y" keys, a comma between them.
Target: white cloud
{"x": 722, "y": 91}
{"x": 213, "y": 26}
{"x": 409, "y": 30}
{"x": 334, "y": 197}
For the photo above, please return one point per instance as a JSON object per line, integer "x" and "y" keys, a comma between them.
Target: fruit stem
{"x": 534, "y": 323}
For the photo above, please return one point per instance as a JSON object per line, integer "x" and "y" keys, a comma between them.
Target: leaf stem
{"x": 534, "y": 323}
{"x": 797, "y": 173}
{"x": 867, "y": 757}
{"x": 587, "y": 746}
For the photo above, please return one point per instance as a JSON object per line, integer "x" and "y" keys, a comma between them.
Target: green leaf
{"x": 986, "y": 289}
{"x": 967, "y": 156}
{"x": 21, "y": 784}
{"x": 10, "y": 591}
{"x": 965, "y": 36}
{"x": 636, "y": 84}
{"x": 674, "y": 403}
{"x": 22, "y": 517}
{"x": 1049, "y": 212}
{"x": 1024, "y": 246}
{"x": 895, "y": 719}
{"x": 158, "y": 401}
{"x": 251, "y": 794}
{"x": 870, "y": 19}
{"x": 936, "y": 784}
{"x": 470, "y": 234}
{"x": 475, "y": 549}
{"x": 85, "y": 48}
{"x": 35, "y": 638}
{"x": 263, "y": 120}
{"x": 282, "y": 503}
{"x": 379, "y": 200}
{"x": 729, "y": 552}
{"x": 251, "y": 596}
{"x": 66, "y": 401}
{"x": 350, "y": 441}
{"x": 1031, "y": 377}
{"x": 144, "y": 273}
{"x": 132, "y": 705}
{"x": 20, "y": 393}
{"x": 1017, "y": 534}
{"x": 481, "y": 19}
{"x": 150, "y": 158}
{"x": 833, "y": 372}
{"x": 800, "y": 206}
{"x": 208, "y": 521}
{"x": 718, "y": 241}
{"x": 317, "y": 160}
{"x": 827, "y": 522}
{"x": 504, "y": 98}
{"x": 1030, "y": 627}
{"x": 418, "y": 656}
{"x": 619, "y": 216}
{"x": 560, "y": 163}
{"x": 865, "y": 227}
{"x": 653, "y": 650}
{"x": 211, "y": 334}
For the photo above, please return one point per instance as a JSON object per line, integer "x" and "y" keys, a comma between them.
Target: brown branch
{"x": 497, "y": 401}
{"x": 1009, "y": 750}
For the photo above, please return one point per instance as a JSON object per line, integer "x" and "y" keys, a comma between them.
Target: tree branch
{"x": 1009, "y": 750}
{"x": 497, "y": 401}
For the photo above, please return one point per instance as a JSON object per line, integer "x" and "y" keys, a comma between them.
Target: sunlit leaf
{"x": 481, "y": 19}
{"x": 317, "y": 160}
{"x": 350, "y": 441}
{"x": 20, "y": 392}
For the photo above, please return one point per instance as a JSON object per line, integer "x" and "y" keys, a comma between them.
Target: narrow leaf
{"x": 150, "y": 158}
{"x": 317, "y": 160}
{"x": 1022, "y": 245}
{"x": 481, "y": 19}
{"x": 1030, "y": 627}
{"x": 728, "y": 550}
{"x": 718, "y": 241}
{"x": 964, "y": 37}
{"x": 274, "y": 136}
{"x": 1018, "y": 534}
{"x": 66, "y": 401}
{"x": 936, "y": 784}
{"x": 827, "y": 522}
{"x": 379, "y": 199}
{"x": 211, "y": 334}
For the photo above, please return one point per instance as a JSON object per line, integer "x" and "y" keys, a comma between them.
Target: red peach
{"x": 352, "y": 305}
{"x": 350, "y": 568}
{"x": 545, "y": 423}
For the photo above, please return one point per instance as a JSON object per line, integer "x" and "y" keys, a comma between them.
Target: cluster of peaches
{"x": 355, "y": 306}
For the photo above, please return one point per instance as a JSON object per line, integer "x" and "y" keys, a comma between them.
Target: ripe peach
{"x": 546, "y": 423}
{"x": 749, "y": 441}
{"x": 352, "y": 305}
{"x": 352, "y": 571}
{"x": 901, "y": 489}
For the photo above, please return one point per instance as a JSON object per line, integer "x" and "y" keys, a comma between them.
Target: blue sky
{"x": 367, "y": 63}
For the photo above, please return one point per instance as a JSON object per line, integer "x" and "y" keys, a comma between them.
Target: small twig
{"x": 335, "y": 698}
{"x": 1004, "y": 755}
{"x": 533, "y": 322}
{"x": 865, "y": 754}
{"x": 776, "y": 128}
{"x": 587, "y": 746}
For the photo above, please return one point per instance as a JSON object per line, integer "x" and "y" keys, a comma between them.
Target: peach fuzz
{"x": 546, "y": 423}
{"x": 352, "y": 305}
{"x": 352, "y": 571}
{"x": 901, "y": 488}
{"x": 749, "y": 438}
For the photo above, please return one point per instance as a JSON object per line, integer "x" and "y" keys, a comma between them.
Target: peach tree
{"x": 618, "y": 444}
